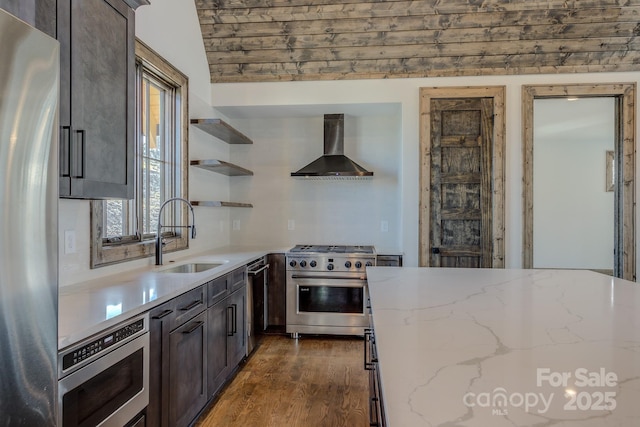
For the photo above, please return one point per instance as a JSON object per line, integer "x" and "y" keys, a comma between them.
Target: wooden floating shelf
{"x": 222, "y": 167}
{"x": 221, "y": 130}
{"x": 217, "y": 204}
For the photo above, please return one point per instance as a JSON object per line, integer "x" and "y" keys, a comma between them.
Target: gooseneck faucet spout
{"x": 160, "y": 226}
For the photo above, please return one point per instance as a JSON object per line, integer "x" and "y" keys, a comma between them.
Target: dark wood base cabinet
{"x": 197, "y": 341}
{"x": 178, "y": 360}
{"x": 188, "y": 371}
{"x": 227, "y": 339}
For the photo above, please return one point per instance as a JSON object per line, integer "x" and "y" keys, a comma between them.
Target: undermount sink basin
{"x": 192, "y": 268}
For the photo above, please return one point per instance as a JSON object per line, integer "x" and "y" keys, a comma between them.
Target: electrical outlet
{"x": 291, "y": 224}
{"x": 384, "y": 226}
{"x": 236, "y": 224}
{"x": 69, "y": 241}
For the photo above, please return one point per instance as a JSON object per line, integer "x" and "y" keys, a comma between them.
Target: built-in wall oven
{"x": 326, "y": 289}
{"x": 104, "y": 380}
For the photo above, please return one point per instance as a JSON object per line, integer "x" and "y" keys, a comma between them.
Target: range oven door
{"x": 110, "y": 391}
{"x": 327, "y": 300}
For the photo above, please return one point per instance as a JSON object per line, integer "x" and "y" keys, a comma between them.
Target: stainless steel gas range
{"x": 327, "y": 289}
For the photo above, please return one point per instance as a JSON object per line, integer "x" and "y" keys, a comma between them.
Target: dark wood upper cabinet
{"x": 97, "y": 98}
{"x": 38, "y": 13}
{"x": 97, "y": 90}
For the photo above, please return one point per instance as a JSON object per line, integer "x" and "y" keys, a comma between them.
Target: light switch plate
{"x": 384, "y": 226}
{"x": 69, "y": 242}
{"x": 291, "y": 224}
{"x": 236, "y": 224}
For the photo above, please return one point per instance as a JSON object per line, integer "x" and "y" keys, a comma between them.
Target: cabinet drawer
{"x": 188, "y": 305}
{"x": 389, "y": 261}
{"x": 165, "y": 312}
{"x": 238, "y": 279}
{"x": 218, "y": 289}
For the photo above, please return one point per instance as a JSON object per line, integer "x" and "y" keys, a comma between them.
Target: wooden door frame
{"x": 625, "y": 93}
{"x": 498, "y": 94}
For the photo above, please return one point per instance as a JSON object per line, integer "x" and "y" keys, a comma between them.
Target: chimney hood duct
{"x": 333, "y": 164}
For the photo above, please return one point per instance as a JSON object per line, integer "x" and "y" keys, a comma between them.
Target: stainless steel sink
{"x": 192, "y": 268}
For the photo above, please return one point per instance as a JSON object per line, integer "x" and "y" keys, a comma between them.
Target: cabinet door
{"x": 237, "y": 333}
{"x": 217, "y": 347}
{"x": 159, "y": 328}
{"x": 188, "y": 371}
{"x": 97, "y": 41}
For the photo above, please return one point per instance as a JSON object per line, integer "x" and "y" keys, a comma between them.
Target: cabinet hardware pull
{"x": 65, "y": 143}
{"x": 218, "y": 295}
{"x": 195, "y": 326}
{"x": 235, "y": 318}
{"x": 77, "y": 155}
{"x": 229, "y": 321}
{"x": 194, "y": 304}
{"x": 373, "y": 412}
{"x": 368, "y": 366}
{"x": 165, "y": 313}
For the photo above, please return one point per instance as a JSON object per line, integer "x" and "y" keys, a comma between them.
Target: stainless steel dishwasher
{"x": 257, "y": 306}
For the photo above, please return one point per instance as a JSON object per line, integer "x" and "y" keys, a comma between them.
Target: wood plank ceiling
{"x": 282, "y": 40}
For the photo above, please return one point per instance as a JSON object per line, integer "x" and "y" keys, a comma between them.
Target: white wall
{"x": 234, "y": 98}
{"x": 573, "y": 215}
{"x": 323, "y": 212}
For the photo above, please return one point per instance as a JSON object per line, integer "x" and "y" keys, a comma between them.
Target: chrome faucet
{"x": 160, "y": 226}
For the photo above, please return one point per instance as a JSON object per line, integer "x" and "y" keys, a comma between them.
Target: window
{"x": 123, "y": 230}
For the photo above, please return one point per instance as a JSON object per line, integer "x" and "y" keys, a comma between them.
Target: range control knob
{"x": 358, "y": 264}
{"x": 368, "y": 264}
{"x": 293, "y": 263}
{"x": 329, "y": 267}
{"x": 313, "y": 263}
{"x": 303, "y": 263}
{"x": 347, "y": 264}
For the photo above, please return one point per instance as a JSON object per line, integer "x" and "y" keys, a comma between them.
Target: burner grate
{"x": 333, "y": 249}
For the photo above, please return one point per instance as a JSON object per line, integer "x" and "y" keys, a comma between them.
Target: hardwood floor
{"x": 313, "y": 381}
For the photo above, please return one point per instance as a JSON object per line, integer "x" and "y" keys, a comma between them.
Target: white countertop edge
{"x": 75, "y": 326}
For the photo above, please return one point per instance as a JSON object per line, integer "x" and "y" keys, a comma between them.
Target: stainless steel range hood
{"x": 333, "y": 164}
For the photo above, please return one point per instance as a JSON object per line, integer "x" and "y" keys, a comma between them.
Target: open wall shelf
{"x": 230, "y": 135}
{"x": 218, "y": 204}
{"x": 221, "y": 130}
{"x": 222, "y": 167}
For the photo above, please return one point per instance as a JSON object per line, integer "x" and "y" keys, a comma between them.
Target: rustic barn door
{"x": 461, "y": 132}
{"x": 462, "y": 170}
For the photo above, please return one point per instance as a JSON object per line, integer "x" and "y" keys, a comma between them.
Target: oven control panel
{"x": 337, "y": 263}
{"x": 101, "y": 344}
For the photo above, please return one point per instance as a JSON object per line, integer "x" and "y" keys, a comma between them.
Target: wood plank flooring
{"x": 313, "y": 381}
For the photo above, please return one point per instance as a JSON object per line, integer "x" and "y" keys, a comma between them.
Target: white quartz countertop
{"x": 87, "y": 308}
{"x": 469, "y": 347}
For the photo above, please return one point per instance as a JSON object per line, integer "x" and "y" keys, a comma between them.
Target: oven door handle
{"x": 328, "y": 277}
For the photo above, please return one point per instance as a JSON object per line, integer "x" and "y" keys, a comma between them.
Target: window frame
{"x": 107, "y": 252}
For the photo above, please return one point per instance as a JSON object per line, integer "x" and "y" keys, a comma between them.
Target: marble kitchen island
{"x": 469, "y": 347}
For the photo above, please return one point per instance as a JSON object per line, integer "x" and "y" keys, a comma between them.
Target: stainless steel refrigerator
{"x": 29, "y": 81}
